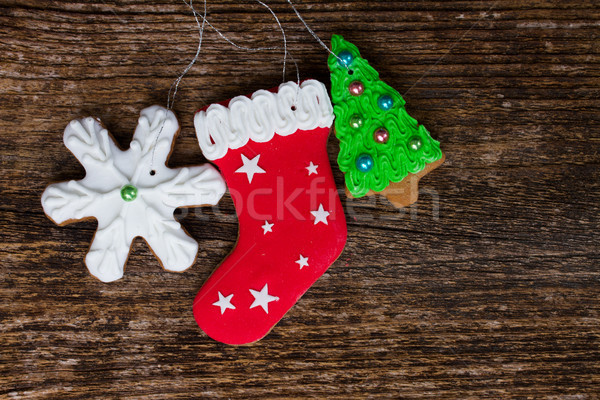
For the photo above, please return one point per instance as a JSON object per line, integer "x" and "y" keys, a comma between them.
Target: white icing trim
{"x": 150, "y": 214}
{"x": 258, "y": 118}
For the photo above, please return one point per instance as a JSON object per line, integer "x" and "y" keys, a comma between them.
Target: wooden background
{"x": 488, "y": 288}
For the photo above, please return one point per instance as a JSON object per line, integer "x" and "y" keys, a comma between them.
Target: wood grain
{"x": 488, "y": 287}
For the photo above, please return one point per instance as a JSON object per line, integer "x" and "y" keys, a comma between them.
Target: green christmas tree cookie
{"x": 382, "y": 148}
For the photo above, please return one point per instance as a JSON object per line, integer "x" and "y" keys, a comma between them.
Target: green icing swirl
{"x": 393, "y": 160}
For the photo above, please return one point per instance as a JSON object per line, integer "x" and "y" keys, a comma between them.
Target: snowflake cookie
{"x": 130, "y": 195}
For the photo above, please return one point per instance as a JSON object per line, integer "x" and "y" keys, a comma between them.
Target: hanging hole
{"x": 350, "y": 71}
{"x": 293, "y": 108}
{"x": 152, "y": 173}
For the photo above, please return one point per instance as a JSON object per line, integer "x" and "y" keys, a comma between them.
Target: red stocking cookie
{"x": 271, "y": 150}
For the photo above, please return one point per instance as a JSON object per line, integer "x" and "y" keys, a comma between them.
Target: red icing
{"x": 284, "y": 195}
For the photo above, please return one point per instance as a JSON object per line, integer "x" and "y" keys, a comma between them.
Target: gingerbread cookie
{"x": 271, "y": 148}
{"x": 132, "y": 193}
{"x": 382, "y": 148}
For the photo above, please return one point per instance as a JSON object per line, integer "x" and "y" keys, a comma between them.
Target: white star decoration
{"x": 312, "y": 169}
{"x": 267, "y": 227}
{"x": 262, "y": 298}
{"x": 320, "y": 215}
{"x": 302, "y": 261}
{"x": 250, "y": 167}
{"x": 131, "y": 193}
{"x": 224, "y": 303}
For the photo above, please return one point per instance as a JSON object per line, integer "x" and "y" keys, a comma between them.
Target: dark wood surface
{"x": 489, "y": 287}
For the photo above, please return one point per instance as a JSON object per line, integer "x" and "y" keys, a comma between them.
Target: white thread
{"x": 253, "y": 49}
{"x": 282, "y": 32}
{"x": 175, "y": 86}
{"x": 171, "y": 100}
{"x": 317, "y": 38}
{"x": 191, "y": 64}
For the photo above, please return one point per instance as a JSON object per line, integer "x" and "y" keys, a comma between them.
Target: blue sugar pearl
{"x": 345, "y": 58}
{"x": 364, "y": 163}
{"x": 385, "y": 102}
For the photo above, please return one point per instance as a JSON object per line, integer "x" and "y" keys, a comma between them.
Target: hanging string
{"x": 201, "y": 26}
{"x": 175, "y": 86}
{"x": 314, "y": 35}
{"x": 253, "y": 49}
{"x": 282, "y": 32}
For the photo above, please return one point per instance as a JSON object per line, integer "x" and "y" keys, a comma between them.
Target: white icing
{"x": 262, "y": 298}
{"x": 224, "y": 303}
{"x": 267, "y": 227}
{"x": 263, "y": 115}
{"x": 320, "y": 215}
{"x": 250, "y": 167}
{"x": 302, "y": 261}
{"x": 312, "y": 169}
{"x": 150, "y": 215}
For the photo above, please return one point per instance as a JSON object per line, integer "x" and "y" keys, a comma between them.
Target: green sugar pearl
{"x": 356, "y": 121}
{"x": 415, "y": 144}
{"x": 129, "y": 192}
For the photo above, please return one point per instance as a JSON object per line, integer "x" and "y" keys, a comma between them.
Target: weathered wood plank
{"x": 488, "y": 287}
